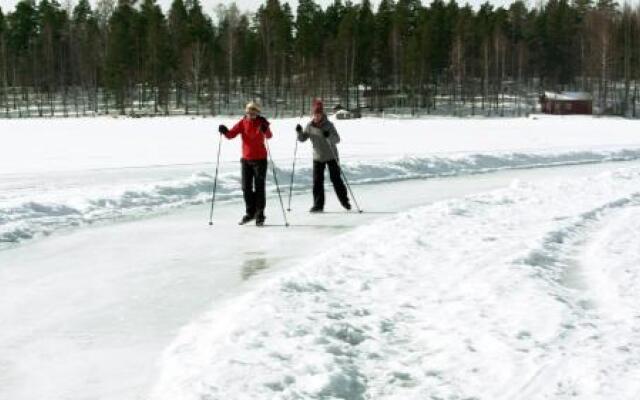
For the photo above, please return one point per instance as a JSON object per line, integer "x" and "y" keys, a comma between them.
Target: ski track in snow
{"x": 36, "y": 209}
{"x": 529, "y": 292}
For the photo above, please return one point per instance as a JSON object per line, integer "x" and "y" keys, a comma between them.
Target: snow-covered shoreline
{"x": 83, "y": 144}
{"x": 489, "y": 296}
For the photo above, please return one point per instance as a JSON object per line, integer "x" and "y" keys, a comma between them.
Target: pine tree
{"x": 607, "y": 6}
{"x": 180, "y": 41}
{"x": 52, "y": 23}
{"x": 200, "y": 43}
{"x": 247, "y": 56}
{"x": 4, "y": 62}
{"x": 441, "y": 23}
{"x": 308, "y": 33}
{"x": 560, "y": 23}
{"x": 3, "y": 25}
{"x": 383, "y": 60}
{"x": 485, "y": 26}
{"x": 365, "y": 50}
{"x": 518, "y": 17}
{"x": 22, "y": 36}
{"x": 345, "y": 52}
{"x": 307, "y": 49}
{"x": 462, "y": 53}
{"x": 582, "y": 7}
{"x": 275, "y": 26}
{"x": 229, "y": 44}
{"x": 402, "y": 30}
{"x": 157, "y": 50}
{"x": 86, "y": 52}
{"x": 625, "y": 41}
{"x": 120, "y": 51}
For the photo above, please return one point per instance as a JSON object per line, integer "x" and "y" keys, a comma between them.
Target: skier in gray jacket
{"x": 324, "y": 137}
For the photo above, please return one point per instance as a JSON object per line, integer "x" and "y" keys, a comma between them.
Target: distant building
{"x": 342, "y": 113}
{"x": 566, "y": 103}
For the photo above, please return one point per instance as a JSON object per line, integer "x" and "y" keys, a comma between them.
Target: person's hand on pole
{"x": 223, "y": 129}
{"x": 264, "y": 124}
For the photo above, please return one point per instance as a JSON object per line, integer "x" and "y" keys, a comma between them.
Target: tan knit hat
{"x": 252, "y": 105}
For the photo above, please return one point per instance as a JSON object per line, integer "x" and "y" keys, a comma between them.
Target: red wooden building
{"x": 564, "y": 103}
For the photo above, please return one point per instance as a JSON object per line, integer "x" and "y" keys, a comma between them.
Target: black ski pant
{"x": 254, "y": 174}
{"x": 336, "y": 180}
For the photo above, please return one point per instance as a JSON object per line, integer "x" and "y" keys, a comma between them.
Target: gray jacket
{"x": 322, "y": 147}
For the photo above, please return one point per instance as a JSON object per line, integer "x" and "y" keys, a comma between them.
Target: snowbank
{"x": 502, "y": 295}
{"x": 34, "y": 214}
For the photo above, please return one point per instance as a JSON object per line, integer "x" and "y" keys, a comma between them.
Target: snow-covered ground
{"x": 458, "y": 283}
{"x": 63, "y": 173}
{"x": 525, "y": 292}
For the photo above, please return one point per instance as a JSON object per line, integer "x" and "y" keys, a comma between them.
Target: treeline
{"x": 131, "y": 57}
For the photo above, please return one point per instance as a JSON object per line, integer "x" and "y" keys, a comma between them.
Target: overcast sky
{"x": 251, "y": 5}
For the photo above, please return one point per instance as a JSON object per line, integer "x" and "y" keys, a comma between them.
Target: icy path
{"x": 527, "y": 292}
{"x": 91, "y": 311}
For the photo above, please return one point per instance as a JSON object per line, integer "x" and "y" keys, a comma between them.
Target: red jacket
{"x": 253, "y": 147}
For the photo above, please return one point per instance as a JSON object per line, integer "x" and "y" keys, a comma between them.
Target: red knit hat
{"x": 317, "y": 106}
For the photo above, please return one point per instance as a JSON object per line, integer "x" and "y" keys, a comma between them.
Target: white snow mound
{"x": 502, "y": 295}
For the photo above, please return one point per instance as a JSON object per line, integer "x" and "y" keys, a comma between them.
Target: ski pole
{"x": 293, "y": 171}
{"x": 275, "y": 179}
{"x": 215, "y": 181}
{"x": 344, "y": 176}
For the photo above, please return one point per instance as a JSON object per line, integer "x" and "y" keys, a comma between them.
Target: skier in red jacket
{"x": 254, "y": 128}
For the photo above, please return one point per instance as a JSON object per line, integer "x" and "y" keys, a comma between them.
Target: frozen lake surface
{"x": 495, "y": 259}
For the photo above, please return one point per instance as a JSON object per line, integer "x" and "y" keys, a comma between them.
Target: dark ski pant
{"x": 336, "y": 180}
{"x": 254, "y": 174}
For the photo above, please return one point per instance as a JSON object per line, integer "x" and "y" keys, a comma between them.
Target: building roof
{"x": 568, "y": 96}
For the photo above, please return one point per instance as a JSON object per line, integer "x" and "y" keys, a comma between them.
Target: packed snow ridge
{"x": 23, "y": 218}
{"x": 527, "y": 292}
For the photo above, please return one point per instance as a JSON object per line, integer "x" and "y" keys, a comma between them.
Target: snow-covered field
{"x": 498, "y": 261}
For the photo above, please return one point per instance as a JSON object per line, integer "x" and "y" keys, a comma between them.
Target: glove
{"x": 326, "y": 134}
{"x": 223, "y": 129}
{"x": 264, "y": 125}
{"x": 298, "y": 128}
